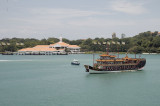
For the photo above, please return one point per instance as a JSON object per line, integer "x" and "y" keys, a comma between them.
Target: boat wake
{"x": 14, "y": 60}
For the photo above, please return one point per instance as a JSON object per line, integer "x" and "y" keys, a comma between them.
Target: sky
{"x": 77, "y": 19}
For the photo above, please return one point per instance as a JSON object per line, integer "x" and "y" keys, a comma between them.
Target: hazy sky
{"x": 77, "y": 19}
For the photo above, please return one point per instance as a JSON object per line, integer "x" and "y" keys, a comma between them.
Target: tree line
{"x": 148, "y": 42}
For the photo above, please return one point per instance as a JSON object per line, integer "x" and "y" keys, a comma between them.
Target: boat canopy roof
{"x": 107, "y": 55}
{"x": 127, "y": 58}
{"x": 118, "y": 60}
{"x": 75, "y": 60}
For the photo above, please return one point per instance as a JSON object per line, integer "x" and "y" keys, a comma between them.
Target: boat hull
{"x": 117, "y": 68}
{"x": 75, "y": 63}
{"x": 101, "y": 72}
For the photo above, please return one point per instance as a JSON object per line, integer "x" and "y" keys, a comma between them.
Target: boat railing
{"x": 109, "y": 59}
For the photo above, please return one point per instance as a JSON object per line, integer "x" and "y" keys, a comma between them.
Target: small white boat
{"x": 75, "y": 62}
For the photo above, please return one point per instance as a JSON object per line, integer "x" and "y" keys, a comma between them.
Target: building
{"x": 114, "y": 35}
{"x": 40, "y": 50}
{"x": 74, "y": 49}
{"x": 52, "y": 49}
{"x": 158, "y": 34}
{"x": 123, "y": 35}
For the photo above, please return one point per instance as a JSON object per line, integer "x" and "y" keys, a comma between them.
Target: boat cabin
{"x": 111, "y": 59}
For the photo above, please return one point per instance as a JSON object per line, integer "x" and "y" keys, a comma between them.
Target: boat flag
{"x": 22, "y": 44}
{"x": 8, "y": 44}
{"x": 3, "y": 44}
{"x": 108, "y": 43}
{"x": 17, "y": 43}
{"x": 113, "y": 42}
{"x": 95, "y": 43}
{"x": 104, "y": 43}
{"x": 118, "y": 43}
{"x": 123, "y": 43}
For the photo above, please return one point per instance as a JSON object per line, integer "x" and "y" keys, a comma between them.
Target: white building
{"x": 57, "y": 48}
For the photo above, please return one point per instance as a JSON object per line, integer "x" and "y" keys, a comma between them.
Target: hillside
{"x": 143, "y": 42}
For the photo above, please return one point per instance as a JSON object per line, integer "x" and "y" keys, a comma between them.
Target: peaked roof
{"x": 40, "y": 49}
{"x": 41, "y": 46}
{"x": 60, "y": 44}
{"x": 107, "y": 55}
{"x": 73, "y": 46}
{"x": 47, "y": 47}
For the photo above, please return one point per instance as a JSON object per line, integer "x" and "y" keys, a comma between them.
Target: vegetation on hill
{"x": 143, "y": 42}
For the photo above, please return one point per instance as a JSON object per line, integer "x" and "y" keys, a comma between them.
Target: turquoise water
{"x": 53, "y": 81}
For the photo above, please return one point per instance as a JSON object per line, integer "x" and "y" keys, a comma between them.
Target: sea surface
{"x": 53, "y": 81}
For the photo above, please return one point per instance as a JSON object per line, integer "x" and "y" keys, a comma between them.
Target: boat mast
{"x": 107, "y": 49}
{"x": 93, "y": 52}
{"x": 93, "y": 59}
{"x": 118, "y": 43}
{"x": 135, "y": 53}
{"x": 117, "y": 50}
{"x": 108, "y": 43}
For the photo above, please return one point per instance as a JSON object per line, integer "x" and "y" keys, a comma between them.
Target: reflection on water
{"x": 13, "y": 60}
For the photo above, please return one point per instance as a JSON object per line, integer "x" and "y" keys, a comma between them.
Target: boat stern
{"x": 87, "y": 68}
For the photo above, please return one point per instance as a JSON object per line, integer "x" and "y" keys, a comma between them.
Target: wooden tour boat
{"x": 109, "y": 63}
